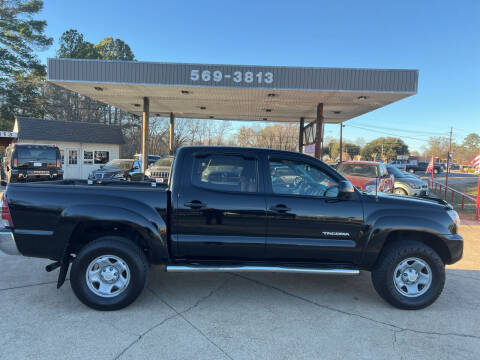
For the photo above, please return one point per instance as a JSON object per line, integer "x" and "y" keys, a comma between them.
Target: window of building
{"x": 72, "y": 157}
{"x": 88, "y": 157}
{"x": 225, "y": 173}
{"x": 101, "y": 157}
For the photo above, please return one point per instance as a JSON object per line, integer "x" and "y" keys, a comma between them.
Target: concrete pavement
{"x": 233, "y": 316}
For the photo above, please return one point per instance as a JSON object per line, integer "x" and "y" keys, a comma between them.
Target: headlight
{"x": 370, "y": 188}
{"x": 117, "y": 176}
{"x": 413, "y": 185}
{"x": 147, "y": 172}
{"x": 454, "y": 215}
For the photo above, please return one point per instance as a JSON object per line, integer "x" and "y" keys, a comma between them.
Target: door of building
{"x": 72, "y": 164}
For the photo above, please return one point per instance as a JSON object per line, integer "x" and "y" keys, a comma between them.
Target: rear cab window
{"x": 224, "y": 172}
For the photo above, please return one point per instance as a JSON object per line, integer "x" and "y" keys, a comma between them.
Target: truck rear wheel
{"x": 409, "y": 275}
{"x": 109, "y": 273}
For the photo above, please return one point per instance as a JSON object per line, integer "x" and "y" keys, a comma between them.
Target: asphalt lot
{"x": 231, "y": 316}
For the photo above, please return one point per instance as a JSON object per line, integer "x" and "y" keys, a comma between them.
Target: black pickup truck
{"x": 231, "y": 209}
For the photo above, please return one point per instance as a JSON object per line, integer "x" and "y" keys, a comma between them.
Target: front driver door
{"x": 306, "y": 220}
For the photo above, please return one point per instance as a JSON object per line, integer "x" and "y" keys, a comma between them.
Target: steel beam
{"x": 300, "y": 135}
{"x": 145, "y": 132}
{"x": 319, "y": 131}
{"x": 171, "y": 145}
{"x": 341, "y": 142}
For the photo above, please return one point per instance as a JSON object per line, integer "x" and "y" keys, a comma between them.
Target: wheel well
{"x": 88, "y": 231}
{"x": 428, "y": 239}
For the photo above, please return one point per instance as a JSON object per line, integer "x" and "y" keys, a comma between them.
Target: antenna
{"x": 376, "y": 187}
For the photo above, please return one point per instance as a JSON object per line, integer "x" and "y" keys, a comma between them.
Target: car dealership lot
{"x": 237, "y": 316}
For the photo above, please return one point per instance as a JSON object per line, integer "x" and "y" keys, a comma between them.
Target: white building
{"x": 84, "y": 146}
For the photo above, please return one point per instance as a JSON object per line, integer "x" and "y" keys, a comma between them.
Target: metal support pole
{"x": 300, "y": 136}
{"x": 341, "y": 142}
{"x": 145, "y": 132}
{"x": 319, "y": 132}
{"x": 172, "y": 134}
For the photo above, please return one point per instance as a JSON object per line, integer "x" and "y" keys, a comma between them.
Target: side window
{"x": 225, "y": 173}
{"x": 299, "y": 178}
{"x": 72, "y": 157}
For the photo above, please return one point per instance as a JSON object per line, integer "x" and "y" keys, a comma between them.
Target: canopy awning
{"x": 234, "y": 92}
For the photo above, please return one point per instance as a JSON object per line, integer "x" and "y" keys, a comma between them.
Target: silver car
{"x": 160, "y": 169}
{"x": 407, "y": 184}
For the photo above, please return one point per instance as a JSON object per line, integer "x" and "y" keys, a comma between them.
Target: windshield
{"x": 120, "y": 163}
{"x": 44, "y": 155}
{"x": 365, "y": 170}
{"x": 165, "y": 162}
{"x": 393, "y": 170}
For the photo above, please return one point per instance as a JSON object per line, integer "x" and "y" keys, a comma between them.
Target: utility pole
{"x": 341, "y": 141}
{"x": 448, "y": 161}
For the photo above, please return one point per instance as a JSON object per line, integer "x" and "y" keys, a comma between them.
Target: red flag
{"x": 476, "y": 161}
{"x": 430, "y": 167}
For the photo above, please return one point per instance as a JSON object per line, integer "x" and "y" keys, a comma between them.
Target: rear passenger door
{"x": 220, "y": 209}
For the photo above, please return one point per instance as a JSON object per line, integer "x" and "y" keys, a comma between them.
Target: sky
{"x": 438, "y": 38}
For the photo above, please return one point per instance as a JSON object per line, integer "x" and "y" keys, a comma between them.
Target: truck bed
{"x": 45, "y": 214}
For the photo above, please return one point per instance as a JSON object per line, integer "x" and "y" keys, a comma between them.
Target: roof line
{"x": 270, "y": 66}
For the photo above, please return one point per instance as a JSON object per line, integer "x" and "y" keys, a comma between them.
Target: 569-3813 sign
{"x": 247, "y": 77}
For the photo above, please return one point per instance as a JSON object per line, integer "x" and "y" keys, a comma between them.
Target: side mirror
{"x": 346, "y": 191}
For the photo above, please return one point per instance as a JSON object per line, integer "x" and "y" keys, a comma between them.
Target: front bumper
{"x": 7, "y": 243}
{"x": 454, "y": 243}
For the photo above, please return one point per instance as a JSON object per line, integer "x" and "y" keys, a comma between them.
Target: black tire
{"x": 392, "y": 255}
{"x": 122, "y": 248}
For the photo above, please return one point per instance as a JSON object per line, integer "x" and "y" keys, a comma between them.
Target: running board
{"x": 278, "y": 269}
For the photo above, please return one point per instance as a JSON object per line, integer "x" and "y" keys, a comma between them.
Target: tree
{"x": 384, "y": 148}
{"x": 437, "y": 147}
{"x": 73, "y": 45}
{"x": 472, "y": 142}
{"x": 20, "y": 35}
{"x": 114, "y": 49}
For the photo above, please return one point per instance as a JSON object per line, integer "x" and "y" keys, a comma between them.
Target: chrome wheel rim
{"x": 412, "y": 277}
{"x": 107, "y": 276}
{"x": 399, "y": 192}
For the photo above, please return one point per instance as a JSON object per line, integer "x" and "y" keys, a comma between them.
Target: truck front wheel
{"x": 109, "y": 273}
{"x": 409, "y": 275}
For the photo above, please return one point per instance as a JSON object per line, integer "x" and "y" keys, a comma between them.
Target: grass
{"x": 469, "y": 188}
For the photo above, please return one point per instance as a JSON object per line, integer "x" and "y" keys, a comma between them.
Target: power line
{"x": 387, "y": 133}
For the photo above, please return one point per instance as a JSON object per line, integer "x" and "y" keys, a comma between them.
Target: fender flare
{"x": 147, "y": 222}
{"x": 384, "y": 226}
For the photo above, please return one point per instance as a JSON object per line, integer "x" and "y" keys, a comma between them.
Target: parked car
{"x": 232, "y": 209}
{"x": 367, "y": 175}
{"x": 151, "y": 159}
{"x": 120, "y": 169}
{"x": 406, "y": 184}
{"x": 159, "y": 171}
{"x": 422, "y": 166}
{"x": 31, "y": 162}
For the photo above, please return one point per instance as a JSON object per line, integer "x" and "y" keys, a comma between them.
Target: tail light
{"x": 15, "y": 162}
{"x": 6, "y": 217}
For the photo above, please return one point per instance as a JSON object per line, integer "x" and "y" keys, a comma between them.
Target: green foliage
{"x": 472, "y": 142}
{"x": 73, "y": 45}
{"x": 114, "y": 49}
{"x": 20, "y": 69}
{"x": 387, "y": 148}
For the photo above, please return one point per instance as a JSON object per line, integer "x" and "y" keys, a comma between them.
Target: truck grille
{"x": 98, "y": 176}
{"x": 38, "y": 172}
{"x": 160, "y": 174}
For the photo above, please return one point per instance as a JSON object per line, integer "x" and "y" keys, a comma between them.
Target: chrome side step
{"x": 278, "y": 269}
